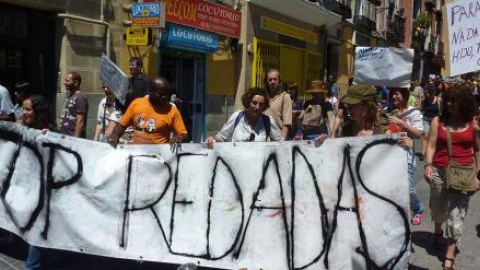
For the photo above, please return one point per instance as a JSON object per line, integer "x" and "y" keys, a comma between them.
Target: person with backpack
{"x": 249, "y": 124}
{"x": 317, "y": 113}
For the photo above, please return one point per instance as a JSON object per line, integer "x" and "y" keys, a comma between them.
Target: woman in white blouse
{"x": 249, "y": 124}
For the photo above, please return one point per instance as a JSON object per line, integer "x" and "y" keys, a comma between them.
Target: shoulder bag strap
{"x": 267, "y": 125}
{"x": 238, "y": 118}
{"x": 449, "y": 142}
{"x": 104, "y": 120}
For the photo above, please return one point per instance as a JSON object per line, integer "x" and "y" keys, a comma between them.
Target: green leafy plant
{"x": 423, "y": 21}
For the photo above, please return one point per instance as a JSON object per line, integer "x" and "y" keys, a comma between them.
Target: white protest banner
{"x": 279, "y": 205}
{"x": 390, "y": 67}
{"x": 463, "y": 28}
{"x": 113, "y": 77}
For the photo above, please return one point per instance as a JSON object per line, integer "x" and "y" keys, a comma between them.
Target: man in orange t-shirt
{"x": 153, "y": 118}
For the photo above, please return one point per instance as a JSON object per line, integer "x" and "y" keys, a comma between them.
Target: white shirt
{"x": 243, "y": 132}
{"x": 6, "y": 105}
{"x": 18, "y": 111}
{"x": 109, "y": 114}
{"x": 413, "y": 119}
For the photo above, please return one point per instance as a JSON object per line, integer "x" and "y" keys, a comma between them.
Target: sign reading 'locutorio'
{"x": 203, "y": 15}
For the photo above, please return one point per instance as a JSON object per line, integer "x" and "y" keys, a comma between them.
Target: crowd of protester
{"x": 440, "y": 114}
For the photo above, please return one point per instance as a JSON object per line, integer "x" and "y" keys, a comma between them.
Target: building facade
{"x": 288, "y": 35}
{"x": 41, "y": 40}
{"x": 427, "y": 39}
{"x": 305, "y": 39}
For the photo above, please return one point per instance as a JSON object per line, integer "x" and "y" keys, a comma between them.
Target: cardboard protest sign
{"x": 380, "y": 66}
{"x": 113, "y": 77}
{"x": 278, "y": 205}
{"x": 463, "y": 40}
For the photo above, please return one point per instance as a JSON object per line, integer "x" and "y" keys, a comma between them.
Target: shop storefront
{"x": 183, "y": 62}
{"x": 289, "y": 36}
{"x": 192, "y": 48}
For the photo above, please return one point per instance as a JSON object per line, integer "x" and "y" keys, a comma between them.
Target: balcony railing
{"x": 366, "y": 23}
{"x": 435, "y": 46}
{"x": 429, "y": 5}
{"x": 439, "y": 57}
{"x": 432, "y": 45}
{"x": 341, "y": 7}
{"x": 418, "y": 41}
{"x": 440, "y": 49}
{"x": 396, "y": 30}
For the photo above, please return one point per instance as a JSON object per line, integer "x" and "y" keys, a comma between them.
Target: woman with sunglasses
{"x": 249, "y": 124}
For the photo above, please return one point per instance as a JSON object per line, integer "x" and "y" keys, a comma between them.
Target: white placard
{"x": 113, "y": 77}
{"x": 463, "y": 28}
{"x": 380, "y": 66}
{"x": 279, "y": 205}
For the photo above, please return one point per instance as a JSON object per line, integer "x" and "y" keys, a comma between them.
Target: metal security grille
{"x": 292, "y": 65}
{"x": 313, "y": 67}
{"x": 266, "y": 56}
{"x": 295, "y": 65}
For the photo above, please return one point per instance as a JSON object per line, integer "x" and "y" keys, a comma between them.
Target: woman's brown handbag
{"x": 459, "y": 177}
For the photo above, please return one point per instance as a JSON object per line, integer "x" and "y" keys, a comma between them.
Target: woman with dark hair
{"x": 405, "y": 118}
{"x": 36, "y": 114}
{"x": 430, "y": 108}
{"x": 457, "y": 122}
{"x": 249, "y": 124}
{"x": 442, "y": 88}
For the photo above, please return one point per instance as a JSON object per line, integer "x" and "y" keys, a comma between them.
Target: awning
{"x": 301, "y": 10}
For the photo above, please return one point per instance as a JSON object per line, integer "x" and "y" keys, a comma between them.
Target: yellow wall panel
{"x": 220, "y": 76}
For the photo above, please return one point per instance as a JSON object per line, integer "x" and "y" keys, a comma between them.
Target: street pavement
{"x": 423, "y": 255}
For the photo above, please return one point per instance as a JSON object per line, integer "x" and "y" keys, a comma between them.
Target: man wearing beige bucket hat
{"x": 317, "y": 113}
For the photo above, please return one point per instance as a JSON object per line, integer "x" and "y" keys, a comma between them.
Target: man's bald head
{"x": 160, "y": 91}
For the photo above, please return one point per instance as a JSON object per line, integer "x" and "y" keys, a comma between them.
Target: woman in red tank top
{"x": 458, "y": 111}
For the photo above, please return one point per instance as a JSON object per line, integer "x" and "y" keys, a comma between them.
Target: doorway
{"x": 27, "y": 49}
{"x": 186, "y": 72}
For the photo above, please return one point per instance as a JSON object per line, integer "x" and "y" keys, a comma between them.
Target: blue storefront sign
{"x": 148, "y": 14}
{"x": 185, "y": 38}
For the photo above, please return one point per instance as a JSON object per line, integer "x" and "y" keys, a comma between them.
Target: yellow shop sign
{"x": 288, "y": 30}
{"x": 139, "y": 36}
